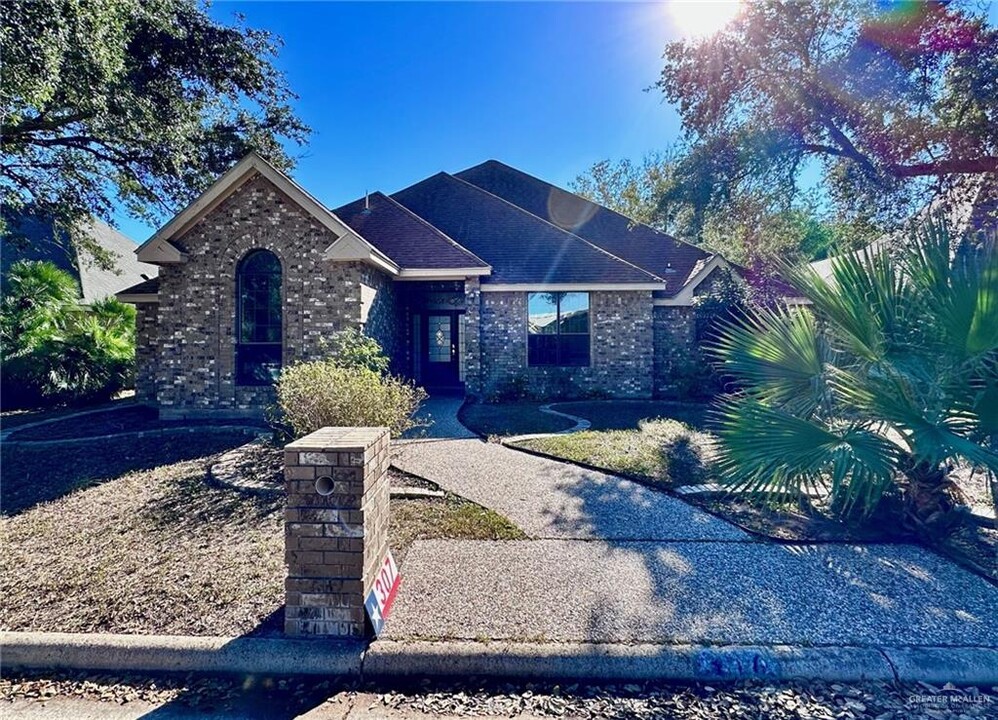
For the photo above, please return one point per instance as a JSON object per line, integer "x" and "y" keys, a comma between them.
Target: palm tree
{"x": 883, "y": 384}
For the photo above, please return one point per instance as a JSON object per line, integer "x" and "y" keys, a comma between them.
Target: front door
{"x": 441, "y": 366}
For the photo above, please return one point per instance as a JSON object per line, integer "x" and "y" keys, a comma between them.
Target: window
{"x": 258, "y": 319}
{"x": 558, "y": 329}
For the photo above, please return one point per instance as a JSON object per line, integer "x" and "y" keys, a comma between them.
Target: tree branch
{"x": 957, "y": 166}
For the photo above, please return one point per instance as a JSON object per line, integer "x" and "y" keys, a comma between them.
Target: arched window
{"x": 258, "y": 319}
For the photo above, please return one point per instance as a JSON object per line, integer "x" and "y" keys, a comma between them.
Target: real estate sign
{"x": 379, "y": 600}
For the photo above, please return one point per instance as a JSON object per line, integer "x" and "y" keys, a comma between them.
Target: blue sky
{"x": 398, "y": 91}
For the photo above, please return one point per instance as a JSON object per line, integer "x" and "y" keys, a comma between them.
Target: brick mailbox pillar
{"x": 336, "y": 528}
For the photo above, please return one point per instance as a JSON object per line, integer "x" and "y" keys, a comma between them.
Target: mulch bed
{"x": 512, "y": 418}
{"x": 133, "y": 418}
{"x": 692, "y": 701}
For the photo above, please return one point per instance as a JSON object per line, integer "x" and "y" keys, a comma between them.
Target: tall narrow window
{"x": 258, "y": 319}
{"x": 558, "y": 329}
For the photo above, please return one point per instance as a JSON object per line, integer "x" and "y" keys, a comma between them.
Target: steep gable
{"x": 522, "y": 248}
{"x": 643, "y": 246}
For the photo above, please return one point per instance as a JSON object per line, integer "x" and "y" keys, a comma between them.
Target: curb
{"x": 181, "y": 653}
{"x": 617, "y": 662}
{"x": 400, "y": 659}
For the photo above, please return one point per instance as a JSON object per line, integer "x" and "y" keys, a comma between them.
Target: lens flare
{"x": 700, "y": 18}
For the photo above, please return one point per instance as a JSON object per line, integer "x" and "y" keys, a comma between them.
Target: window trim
{"x": 588, "y": 333}
{"x": 239, "y": 380}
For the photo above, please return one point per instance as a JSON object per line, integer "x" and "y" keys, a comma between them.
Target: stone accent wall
{"x": 381, "y": 313}
{"x": 674, "y": 346}
{"x": 621, "y": 350}
{"x": 336, "y": 528}
{"x": 472, "y": 336}
{"x": 146, "y": 351}
{"x": 197, "y": 313}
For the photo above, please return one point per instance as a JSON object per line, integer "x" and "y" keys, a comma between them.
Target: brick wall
{"x": 146, "y": 350}
{"x": 674, "y": 340}
{"x": 621, "y": 349}
{"x": 336, "y": 528}
{"x": 197, "y": 309}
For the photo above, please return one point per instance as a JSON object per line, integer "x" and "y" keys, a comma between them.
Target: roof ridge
{"x": 434, "y": 228}
{"x": 551, "y": 224}
{"x": 628, "y": 218}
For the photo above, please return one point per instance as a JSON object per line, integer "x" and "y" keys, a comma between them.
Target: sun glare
{"x": 699, "y": 18}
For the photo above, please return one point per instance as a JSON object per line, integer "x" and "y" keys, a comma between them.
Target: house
{"x": 33, "y": 238}
{"x": 489, "y": 282}
{"x": 969, "y": 207}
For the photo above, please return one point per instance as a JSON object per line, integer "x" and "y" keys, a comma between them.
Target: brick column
{"x": 472, "y": 337}
{"x": 336, "y": 528}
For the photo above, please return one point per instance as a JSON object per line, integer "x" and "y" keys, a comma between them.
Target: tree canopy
{"x": 138, "y": 103}
{"x": 887, "y": 101}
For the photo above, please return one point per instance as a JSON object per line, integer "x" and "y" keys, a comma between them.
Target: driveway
{"x": 612, "y": 561}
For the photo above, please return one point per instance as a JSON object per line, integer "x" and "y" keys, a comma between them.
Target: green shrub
{"x": 323, "y": 393}
{"x": 57, "y": 351}
{"x": 351, "y": 348}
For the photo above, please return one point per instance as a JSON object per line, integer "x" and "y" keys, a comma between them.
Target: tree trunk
{"x": 931, "y": 506}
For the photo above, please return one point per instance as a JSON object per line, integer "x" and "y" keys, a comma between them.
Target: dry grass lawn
{"x": 90, "y": 544}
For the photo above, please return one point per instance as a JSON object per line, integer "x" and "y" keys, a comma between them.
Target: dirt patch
{"x": 157, "y": 550}
{"x": 134, "y": 539}
{"x": 134, "y": 418}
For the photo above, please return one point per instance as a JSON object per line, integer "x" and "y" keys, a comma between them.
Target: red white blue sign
{"x": 379, "y": 600}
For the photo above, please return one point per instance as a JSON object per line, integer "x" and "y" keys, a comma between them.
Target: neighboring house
{"x": 490, "y": 282}
{"x": 36, "y": 239}
{"x": 970, "y": 208}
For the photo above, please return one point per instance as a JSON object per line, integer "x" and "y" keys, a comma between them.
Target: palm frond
{"x": 766, "y": 450}
{"x": 776, "y": 351}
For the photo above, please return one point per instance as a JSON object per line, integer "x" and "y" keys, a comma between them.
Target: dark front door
{"x": 441, "y": 367}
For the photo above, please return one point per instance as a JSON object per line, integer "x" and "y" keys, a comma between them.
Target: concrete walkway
{"x": 439, "y": 413}
{"x": 611, "y": 561}
{"x": 549, "y": 499}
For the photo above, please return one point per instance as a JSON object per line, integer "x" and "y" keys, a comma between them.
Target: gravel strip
{"x": 692, "y": 592}
{"x": 785, "y": 701}
{"x": 550, "y": 499}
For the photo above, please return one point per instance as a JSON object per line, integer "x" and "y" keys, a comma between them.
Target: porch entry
{"x": 439, "y": 351}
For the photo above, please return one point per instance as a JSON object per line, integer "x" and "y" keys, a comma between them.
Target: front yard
{"x": 674, "y": 449}
{"x": 128, "y": 536}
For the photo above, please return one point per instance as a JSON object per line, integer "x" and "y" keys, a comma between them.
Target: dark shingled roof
{"x": 407, "y": 239}
{"x": 638, "y": 244}
{"x": 520, "y": 247}
{"x": 146, "y": 287}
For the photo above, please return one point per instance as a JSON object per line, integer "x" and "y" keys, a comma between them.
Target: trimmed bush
{"x": 323, "y": 393}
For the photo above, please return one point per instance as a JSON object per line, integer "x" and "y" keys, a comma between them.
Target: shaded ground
{"x": 514, "y": 418}
{"x": 133, "y": 418}
{"x": 627, "y": 414}
{"x": 10, "y": 419}
{"x": 695, "y": 591}
{"x": 132, "y": 696}
{"x": 131, "y": 538}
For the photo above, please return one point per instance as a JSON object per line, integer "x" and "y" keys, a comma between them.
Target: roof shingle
{"x": 638, "y": 244}
{"x": 407, "y": 239}
{"x": 521, "y": 247}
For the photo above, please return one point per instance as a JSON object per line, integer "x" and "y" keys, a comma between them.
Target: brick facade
{"x": 197, "y": 310}
{"x": 187, "y": 342}
{"x": 621, "y": 349}
{"x": 674, "y": 346}
{"x": 336, "y": 528}
{"x": 146, "y": 351}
